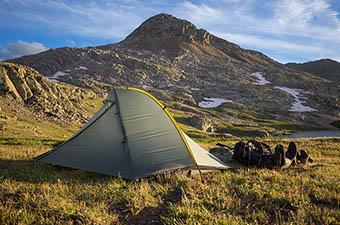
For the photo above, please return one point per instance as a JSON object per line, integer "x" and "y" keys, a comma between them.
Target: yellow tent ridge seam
{"x": 171, "y": 118}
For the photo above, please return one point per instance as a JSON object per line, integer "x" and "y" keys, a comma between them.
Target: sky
{"x": 285, "y": 30}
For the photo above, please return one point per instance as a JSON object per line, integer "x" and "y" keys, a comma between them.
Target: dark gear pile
{"x": 260, "y": 155}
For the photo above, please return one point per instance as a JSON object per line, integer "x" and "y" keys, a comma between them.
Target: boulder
{"x": 3, "y": 125}
{"x": 185, "y": 97}
{"x": 202, "y": 123}
{"x": 223, "y": 154}
{"x": 223, "y": 135}
{"x": 261, "y": 133}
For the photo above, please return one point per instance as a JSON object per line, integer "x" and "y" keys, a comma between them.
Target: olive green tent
{"x": 131, "y": 136}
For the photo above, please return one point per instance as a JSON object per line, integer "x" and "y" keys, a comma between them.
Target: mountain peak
{"x": 165, "y": 32}
{"x": 163, "y": 17}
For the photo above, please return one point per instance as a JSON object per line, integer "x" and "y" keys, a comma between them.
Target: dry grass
{"x": 35, "y": 193}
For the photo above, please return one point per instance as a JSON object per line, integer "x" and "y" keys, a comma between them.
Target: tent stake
{"x": 202, "y": 180}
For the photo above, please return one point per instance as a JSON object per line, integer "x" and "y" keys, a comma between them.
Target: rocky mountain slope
{"x": 325, "y": 68}
{"x": 180, "y": 63}
{"x": 23, "y": 90}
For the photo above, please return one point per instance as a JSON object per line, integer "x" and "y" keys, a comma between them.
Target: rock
{"x": 14, "y": 118}
{"x": 163, "y": 84}
{"x": 222, "y": 153}
{"x": 202, "y": 123}
{"x": 261, "y": 133}
{"x": 223, "y": 135}
{"x": 185, "y": 108}
{"x": 3, "y": 126}
{"x": 185, "y": 97}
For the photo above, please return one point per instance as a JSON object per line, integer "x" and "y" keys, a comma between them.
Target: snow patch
{"x": 81, "y": 68}
{"x": 298, "y": 104}
{"x": 260, "y": 79}
{"x": 55, "y": 77}
{"x": 195, "y": 89}
{"x": 213, "y": 102}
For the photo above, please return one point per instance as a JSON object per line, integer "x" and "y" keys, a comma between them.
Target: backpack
{"x": 292, "y": 153}
{"x": 253, "y": 153}
{"x": 279, "y": 156}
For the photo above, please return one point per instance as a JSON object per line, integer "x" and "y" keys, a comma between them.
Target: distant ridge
{"x": 325, "y": 68}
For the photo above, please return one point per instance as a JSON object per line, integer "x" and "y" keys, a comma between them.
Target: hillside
{"x": 182, "y": 63}
{"x": 31, "y": 104}
{"x": 325, "y": 68}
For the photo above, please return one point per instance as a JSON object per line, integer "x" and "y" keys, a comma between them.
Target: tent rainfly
{"x": 131, "y": 136}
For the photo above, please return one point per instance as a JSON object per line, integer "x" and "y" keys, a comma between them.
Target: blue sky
{"x": 286, "y": 30}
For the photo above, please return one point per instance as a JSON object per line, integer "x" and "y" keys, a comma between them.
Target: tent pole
{"x": 125, "y": 141}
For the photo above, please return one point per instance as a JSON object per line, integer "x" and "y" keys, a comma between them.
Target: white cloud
{"x": 309, "y": 28}
{"x": 304, "y": 12}
{"x": 271, "y": 44}
{"x": 197, "y": 13}
{"x": 297, "y": 13}
{"x": 20, "y": 48}
{"x": 313, "y": 19}
{"x": 302, "y": 18}
{"x": 281, "y": 48}
{"x": 302, "y": 27}
{"x": 102, "y": 19}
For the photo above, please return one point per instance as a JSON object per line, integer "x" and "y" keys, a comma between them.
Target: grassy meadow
{"x": 37, "y": 193}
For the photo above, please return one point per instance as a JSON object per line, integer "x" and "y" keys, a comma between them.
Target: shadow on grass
{"x": 37, "y": 172}
{"x": 29, "y": 171}
{"x": 331, "y": 203}
{"x": 16, "y": 200}
{"x": 278, "y": 209}
{"x": 30, "y": 141}
{"x": 149, "y": 214}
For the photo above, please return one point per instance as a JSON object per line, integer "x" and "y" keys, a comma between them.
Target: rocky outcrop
{"x": 184, "y": 96}
{"x": 202, "y": 123}
{"x": 28, "y": 88}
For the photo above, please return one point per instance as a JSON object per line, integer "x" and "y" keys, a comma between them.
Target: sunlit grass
{"x": 36, "y": 193}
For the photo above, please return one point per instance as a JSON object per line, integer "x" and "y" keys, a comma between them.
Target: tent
{"x": 131, "y": 136}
